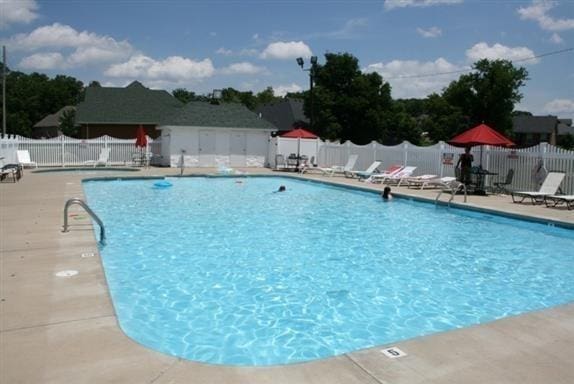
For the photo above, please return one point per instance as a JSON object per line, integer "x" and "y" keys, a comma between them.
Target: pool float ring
{"x": 162, "y": 184}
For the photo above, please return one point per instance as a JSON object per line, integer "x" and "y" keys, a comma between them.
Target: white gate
{"x": 237, "y": 149}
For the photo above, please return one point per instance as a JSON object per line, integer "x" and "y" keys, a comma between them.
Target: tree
{"x": 186, "y": 96}
{"x": 441, "y": 120}
{"x": 29, "y": 98}
{"x": 489, "y": 93}
{"x": 348, "y": 104}
{"x": 68, "y": 123}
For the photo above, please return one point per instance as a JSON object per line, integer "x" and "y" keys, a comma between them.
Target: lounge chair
{"x": 398, "y": 177}
{"x": 432, "y": 181}
{"x": 341, "y": 169}
{"x": 103, "y": 158}
{"x": 390, "y": 171}
{"x": 11, "y": 170}
{"x": 549, "y": 187}
{"x": 366, "y": 173}
{"x": 23, "y": 157}
{"x": 554, "y": 200}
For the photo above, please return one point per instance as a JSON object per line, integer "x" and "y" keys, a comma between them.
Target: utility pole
{"x": 4, "y": 90}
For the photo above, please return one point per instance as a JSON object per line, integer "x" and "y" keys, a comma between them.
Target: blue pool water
{"x": 224, "y": 271}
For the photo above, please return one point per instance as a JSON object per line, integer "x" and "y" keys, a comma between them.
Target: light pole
{"x": 311, "y": 71}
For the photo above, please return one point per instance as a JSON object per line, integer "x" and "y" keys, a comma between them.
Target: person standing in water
{"x": 386, "y": 195}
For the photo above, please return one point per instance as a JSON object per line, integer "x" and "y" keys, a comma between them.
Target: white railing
{"x": 64, "y": 151}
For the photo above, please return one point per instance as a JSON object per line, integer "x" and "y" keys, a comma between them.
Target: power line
{"x": 469, "y": 69}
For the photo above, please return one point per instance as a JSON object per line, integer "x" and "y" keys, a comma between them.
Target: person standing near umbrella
{"x": 465, "y": 163}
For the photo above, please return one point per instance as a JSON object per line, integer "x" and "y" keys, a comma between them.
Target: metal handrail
{"x": 83, "y": 204}
{"x": 453, "y": 191}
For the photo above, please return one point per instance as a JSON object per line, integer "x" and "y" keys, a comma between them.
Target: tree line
{"x": 347, "y": 104}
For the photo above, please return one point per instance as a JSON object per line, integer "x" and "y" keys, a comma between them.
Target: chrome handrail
{"x": 83, "y": 204}
{"x": 454, "y": 188}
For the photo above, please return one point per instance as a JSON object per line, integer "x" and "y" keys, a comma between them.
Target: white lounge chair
{"x": 549, "y": 187}
{"x": 376, "y": 178}
{"x": 103, "y": 158}
{"x": 366, "y": 173}
{"x": 398, "y": 177}
{"x": 432, "y": 181}
{"x": 23, "y": 158}
{"x": 554, "y": 200}
{"x": 341, "y": 169}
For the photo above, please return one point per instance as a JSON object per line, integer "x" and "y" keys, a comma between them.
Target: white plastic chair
{"x": 341, "y": 169}
{"x": 103, "y": 158}
{"x": 366, "y": 173}
{"x": 23, "y": 157}
{"x": 549, "y": 187}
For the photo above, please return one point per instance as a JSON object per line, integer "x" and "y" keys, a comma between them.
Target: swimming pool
{"x": 224, "y": 271}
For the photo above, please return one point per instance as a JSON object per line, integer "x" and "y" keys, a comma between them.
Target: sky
{"x": 418, "y": 46}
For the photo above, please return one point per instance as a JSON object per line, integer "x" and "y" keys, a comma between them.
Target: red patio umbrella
{"x": 141, "y": 139}
{"x": 299, "y": 133}
{"x": 481, "y": 135}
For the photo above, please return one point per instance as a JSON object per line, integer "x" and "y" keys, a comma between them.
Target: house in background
{"x": 215, "y": 134}
{"x": 285, "y": 114}
{"x": 118, "y": 112}
{"x": 49, "y": 126}
{"x": 531, "y": 130}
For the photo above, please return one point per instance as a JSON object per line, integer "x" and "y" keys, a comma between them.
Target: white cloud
{"x": 538, "y": 11}
{"x": 44, "y": 61}
{"x": 556, "y": 39}
{"x": 17, "y": 11}
{"x": 347, "y": 31}
{"x": 174, "y": 68}
{"x": 282, "y": 90}
{"x": 557, "y": 106}
{"x": 392, "y": 4}
{"x": 498, "y": 51}
{"x": 429, "y": 33}
{"x": 224, "y": 52}
{"x": 286, "y": 50}
{"x": 243, "y": 68}
{"x": 86, "y": 47}
{"x": 408, "y": 78}
{"x": 244, "y": 52}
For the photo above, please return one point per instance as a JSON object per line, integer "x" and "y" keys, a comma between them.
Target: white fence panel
{"x": 8, "y": 148}
{"x": 67, "y": 151}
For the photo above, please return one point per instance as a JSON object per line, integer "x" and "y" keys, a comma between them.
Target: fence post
{"x": 405, "y": 153}
{"x": 440, "y": 160}
{"x": 63, "y": 152}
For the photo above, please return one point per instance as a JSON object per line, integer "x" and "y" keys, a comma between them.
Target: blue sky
{"x": 250, "y": 45}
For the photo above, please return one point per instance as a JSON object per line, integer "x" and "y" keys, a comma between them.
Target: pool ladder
{"x": 83, "y": 204}
{"x": 454, "y": 188}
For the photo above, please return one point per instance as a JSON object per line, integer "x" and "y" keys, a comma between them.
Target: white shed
{"x": 212, "y": 135}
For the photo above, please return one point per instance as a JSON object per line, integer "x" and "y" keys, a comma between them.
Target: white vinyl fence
{"x": 440, "y": 159}
{"x": 64, "y": 151}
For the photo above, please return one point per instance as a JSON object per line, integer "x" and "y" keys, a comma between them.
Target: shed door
{"x": 237, "y": 149}
{"x": 207, "y": 149}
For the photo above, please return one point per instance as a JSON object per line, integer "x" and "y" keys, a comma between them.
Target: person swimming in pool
{"x": 281, "y": 189}
{"x": 386, "y": 195}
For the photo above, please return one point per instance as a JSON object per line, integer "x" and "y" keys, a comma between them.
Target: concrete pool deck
{"x": 64, "y": 330}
